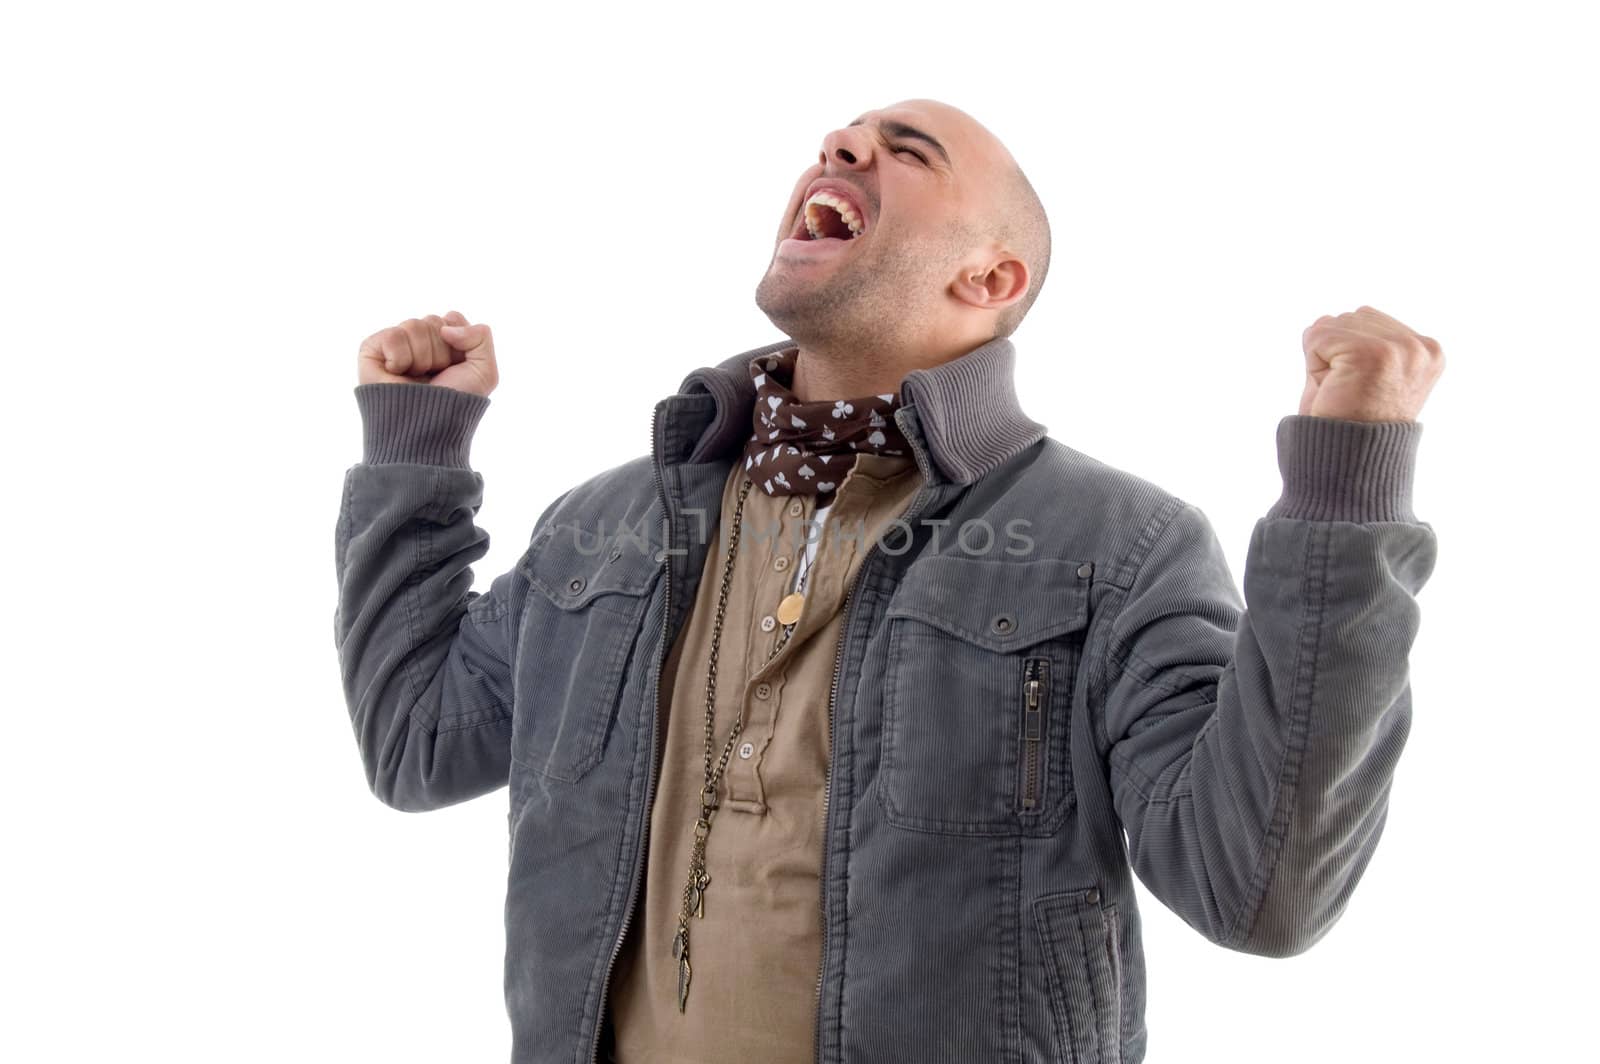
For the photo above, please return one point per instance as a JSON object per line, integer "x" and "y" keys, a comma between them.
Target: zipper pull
{"x": 1032, "y": 728}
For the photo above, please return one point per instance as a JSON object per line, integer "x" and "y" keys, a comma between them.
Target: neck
{"x": 826, "y": 373}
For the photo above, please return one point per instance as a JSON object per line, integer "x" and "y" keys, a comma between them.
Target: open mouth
{"x": 825, "y": 220}
{"x": 828, "y": 218}
{"x": 829, "y": 225}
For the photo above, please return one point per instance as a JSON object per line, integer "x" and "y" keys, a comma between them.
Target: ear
{"x": 991, "y": 284}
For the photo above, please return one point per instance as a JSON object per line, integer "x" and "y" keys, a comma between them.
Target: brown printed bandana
{"x": 799, "y": 448}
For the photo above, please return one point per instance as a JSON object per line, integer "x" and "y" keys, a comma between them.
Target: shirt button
{"x": 763, "y": 690}
{"x": 796, "y": 508}
{"x": 746, "y": 750}
{"x": 781, "y": 562}
{"x": 768, "y": 623}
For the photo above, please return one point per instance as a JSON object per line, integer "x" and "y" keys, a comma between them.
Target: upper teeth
{"x": 847, "y": 212}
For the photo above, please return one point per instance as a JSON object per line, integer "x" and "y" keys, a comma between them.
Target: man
{"x": 824, "y": 721}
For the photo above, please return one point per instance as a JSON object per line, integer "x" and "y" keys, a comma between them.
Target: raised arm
{"x": 426, "y": 662}
{"x": 1252, "y": 744}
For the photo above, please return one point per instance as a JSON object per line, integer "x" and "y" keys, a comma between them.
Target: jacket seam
{"x": 1132, "y": 770}
{"x": 622, "y": 871}
{"x": 409, "y": 599}
{"x": 1154, "y": 528}
{"x": 1123, "y": 653}
{"x": 1011, "y": 949}
{"x": 498, "y": 716}
{"x": 1286, "y": 791}
{"x": 1150, "y": 797}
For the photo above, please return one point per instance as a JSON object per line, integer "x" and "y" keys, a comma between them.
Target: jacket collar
{"x": 963, "y": 414}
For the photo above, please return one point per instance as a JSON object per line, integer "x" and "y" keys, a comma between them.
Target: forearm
{"x": 421, "y": 656}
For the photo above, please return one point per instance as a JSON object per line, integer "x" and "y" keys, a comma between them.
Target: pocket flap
{"x": 1000, "y": 605}
{"x": 574, "y": 566}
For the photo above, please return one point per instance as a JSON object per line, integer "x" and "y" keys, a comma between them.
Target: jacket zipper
{"x": 833, "y": 740}
{"x": 655, "y": 720}
{"x": 1035, "y": 692}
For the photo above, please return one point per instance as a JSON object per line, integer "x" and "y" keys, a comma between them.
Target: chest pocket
{"x": 982, "y": 659}
{"x": 585, "y": 607}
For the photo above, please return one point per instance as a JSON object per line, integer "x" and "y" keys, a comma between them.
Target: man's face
{"x": 915, "y": 175}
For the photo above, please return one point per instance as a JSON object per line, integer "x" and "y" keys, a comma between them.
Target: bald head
{"x": 1011, "y": 215}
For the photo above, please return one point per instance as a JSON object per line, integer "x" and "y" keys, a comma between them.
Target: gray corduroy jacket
{"x": 1046, "y": 682}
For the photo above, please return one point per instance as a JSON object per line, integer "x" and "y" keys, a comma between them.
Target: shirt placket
{"x": 764, "y": 572}
{"x": 764, "y": 689}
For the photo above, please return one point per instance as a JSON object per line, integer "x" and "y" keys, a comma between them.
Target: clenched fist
{"x": 1366, "y": 366}
{"x": 433, "y": 350}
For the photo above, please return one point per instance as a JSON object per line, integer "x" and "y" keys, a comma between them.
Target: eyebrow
{"x": 900, "y": 129}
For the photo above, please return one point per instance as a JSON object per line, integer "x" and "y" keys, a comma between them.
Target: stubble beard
{"x": 860, "y": 307}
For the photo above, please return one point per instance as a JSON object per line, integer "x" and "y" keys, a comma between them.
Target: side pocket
{"x": 1084, "y": 966}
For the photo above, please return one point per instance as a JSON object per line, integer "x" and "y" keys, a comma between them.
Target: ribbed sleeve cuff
{"x": 423, "y": 424}
{"x": 1336, "y": 469}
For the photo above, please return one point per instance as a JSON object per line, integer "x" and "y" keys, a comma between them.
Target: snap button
{"x": 576, "y": 584}
{"x": 1085, "y": 569}
{"x": 763, "y": 690}
{"x": 768, "y": 623}
{"x": 746, "y": 750}
{"x": 781, "y": 562}
{"x": 1004, "y": 624}
{"x": 1092, "y": 896}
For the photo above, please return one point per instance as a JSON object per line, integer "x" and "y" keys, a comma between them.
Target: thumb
{"x": 463, "y": 337}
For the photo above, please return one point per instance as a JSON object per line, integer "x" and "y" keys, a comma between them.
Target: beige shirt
{"x": 756, "y": 954}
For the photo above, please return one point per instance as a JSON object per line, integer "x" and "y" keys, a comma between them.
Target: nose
{"x": 849, "y": 146}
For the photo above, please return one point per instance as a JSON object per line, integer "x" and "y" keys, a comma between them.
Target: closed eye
{"x": 913, "y": 151}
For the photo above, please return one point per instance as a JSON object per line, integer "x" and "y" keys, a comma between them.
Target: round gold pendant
{"x": 789, "y": 609}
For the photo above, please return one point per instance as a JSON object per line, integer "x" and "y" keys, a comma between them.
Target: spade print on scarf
{"x": 794, "y": 437}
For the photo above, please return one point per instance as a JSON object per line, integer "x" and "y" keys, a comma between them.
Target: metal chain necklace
{"x": 694, "y": 890}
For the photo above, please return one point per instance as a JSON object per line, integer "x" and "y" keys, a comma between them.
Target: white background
{"x": 207, "y": 207}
